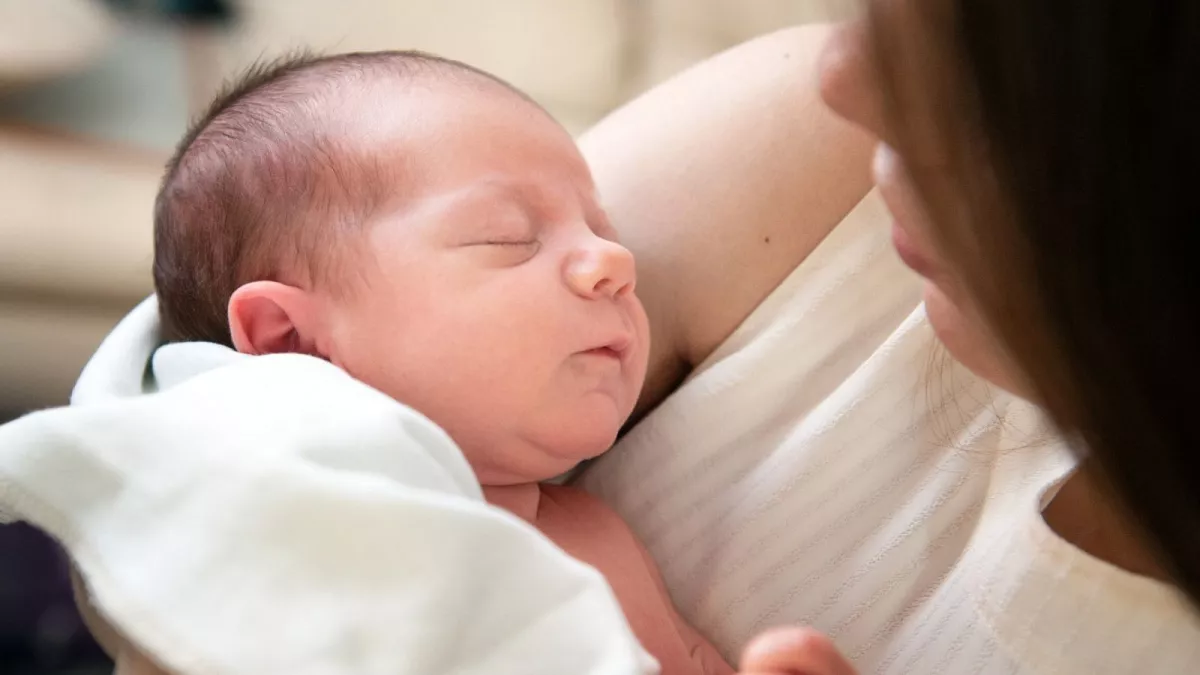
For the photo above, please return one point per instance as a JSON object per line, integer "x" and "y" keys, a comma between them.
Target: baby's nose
{"x": 601, "y": 268}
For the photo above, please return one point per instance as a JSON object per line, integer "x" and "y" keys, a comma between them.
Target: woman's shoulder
{"x": 721, "y": 181}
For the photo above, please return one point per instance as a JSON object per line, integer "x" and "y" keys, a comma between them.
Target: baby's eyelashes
{"x": 506, "y": 242}
{"x": 506, "y": 252}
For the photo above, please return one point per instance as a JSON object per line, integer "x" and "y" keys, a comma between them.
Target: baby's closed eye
{"x": 505, "y": 251}
{"x": 505, "y": 242}
{"x": 501, "y": 227}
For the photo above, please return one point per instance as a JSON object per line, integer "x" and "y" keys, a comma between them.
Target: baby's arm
{"x": 703, "y": 653}
{"x": 782, "y": 651}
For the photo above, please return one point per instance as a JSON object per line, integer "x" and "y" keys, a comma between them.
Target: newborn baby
{"x": 436, "y": 234}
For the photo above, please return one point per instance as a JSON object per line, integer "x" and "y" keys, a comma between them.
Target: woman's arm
{"x": 721, "y": 181}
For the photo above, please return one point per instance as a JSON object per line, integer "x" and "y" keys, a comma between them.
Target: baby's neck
{"x": 519, "y": 500}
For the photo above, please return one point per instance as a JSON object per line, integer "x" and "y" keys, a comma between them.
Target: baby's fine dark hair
{"x": 261, "y": 183}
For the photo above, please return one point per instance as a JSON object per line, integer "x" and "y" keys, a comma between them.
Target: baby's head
{"x": 423, "y": 226}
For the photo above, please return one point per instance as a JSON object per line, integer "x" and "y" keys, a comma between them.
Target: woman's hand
{"x": 793, "y": 651}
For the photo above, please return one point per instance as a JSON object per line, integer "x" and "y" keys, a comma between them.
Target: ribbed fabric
{"x": 830, "y": 465}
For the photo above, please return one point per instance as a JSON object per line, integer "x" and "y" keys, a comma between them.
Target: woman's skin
{"x": 793, "y": 651}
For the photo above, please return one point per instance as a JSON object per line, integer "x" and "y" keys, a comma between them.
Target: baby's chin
{"x": 571, "y": 449}
{"x": 548, "y": 455}
{"x": 545, "y": 445}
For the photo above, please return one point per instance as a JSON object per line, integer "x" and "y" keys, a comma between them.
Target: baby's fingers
{"x": 793, "y": 651}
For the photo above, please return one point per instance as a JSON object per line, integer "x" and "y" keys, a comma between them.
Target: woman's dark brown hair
{"x": 1075, "y": 128}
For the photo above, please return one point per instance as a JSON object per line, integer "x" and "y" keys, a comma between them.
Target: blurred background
{"x": 95, "y": 93}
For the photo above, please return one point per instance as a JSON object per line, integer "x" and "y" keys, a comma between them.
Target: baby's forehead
{"x": 386, "y": 105}
{"x": 440, "y": 137}
{"x": 450, "y": 127}
{"x": 404, "y": 126}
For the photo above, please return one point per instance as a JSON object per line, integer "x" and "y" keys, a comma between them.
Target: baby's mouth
{"x": 605, "y": 351}
{"x": 616, "y": 348}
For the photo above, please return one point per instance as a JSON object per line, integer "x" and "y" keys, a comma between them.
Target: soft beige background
{"x": 90, "y": 105}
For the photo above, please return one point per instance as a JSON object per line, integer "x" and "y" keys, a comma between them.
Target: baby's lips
{"x": 616, "y": 346}
{"x": 621, "y": 344}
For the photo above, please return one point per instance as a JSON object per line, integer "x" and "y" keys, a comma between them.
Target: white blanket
{"x": 255, "y": 515}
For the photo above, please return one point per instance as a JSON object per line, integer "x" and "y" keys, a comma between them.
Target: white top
{"x": 830, "y": 465}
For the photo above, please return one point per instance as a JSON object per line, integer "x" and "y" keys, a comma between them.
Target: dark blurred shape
{"x": 41, "y": 632}
{"x": 207, "y": 11}
{"x": 187, "y": 11}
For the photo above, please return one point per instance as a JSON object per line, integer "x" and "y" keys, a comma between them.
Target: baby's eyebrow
{"x": 478, "y": 192}
{"x": 530, "y": 198}
{"x": 485, "y": 191}
{"x": 477, "y": 208}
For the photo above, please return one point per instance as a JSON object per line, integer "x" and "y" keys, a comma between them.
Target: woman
{"x": 1037, "y": 158}
{"x": 813, "y": 467}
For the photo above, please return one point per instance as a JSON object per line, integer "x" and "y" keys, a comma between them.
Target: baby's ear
{"x": 267, "y": 317}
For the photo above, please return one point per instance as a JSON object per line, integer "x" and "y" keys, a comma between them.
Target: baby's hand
{"x": 793, "y": 651}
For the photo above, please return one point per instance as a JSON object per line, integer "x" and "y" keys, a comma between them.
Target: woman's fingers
{"x": 794, "y": 651}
